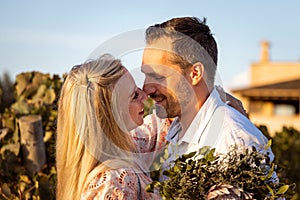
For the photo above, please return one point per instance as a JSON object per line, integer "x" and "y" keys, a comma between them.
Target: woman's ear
{"x": 196, "y": 73}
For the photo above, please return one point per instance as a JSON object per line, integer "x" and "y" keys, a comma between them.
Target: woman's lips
{"x": 141, "y": 112}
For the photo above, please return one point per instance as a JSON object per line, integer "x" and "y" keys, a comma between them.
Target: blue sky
{"x": 52, "y": 36}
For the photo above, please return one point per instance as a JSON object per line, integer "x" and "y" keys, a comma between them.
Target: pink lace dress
{"x": 125, "y": 183}
{"x": 129, "y": 183}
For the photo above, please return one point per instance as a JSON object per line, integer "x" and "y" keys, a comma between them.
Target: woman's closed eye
{"x": 136, "y": 94}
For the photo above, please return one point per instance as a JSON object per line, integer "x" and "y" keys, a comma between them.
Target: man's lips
{"x": 158, "y": 98}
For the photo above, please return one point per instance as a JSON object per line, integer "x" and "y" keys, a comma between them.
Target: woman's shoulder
{"x": 121, "y": 183}
{"x": 111, "y": 183}
{"x": 113, "y": 176}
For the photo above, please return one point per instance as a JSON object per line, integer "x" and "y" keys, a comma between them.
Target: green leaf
{"x": 210, "y": 155}
{"x": 282, "y": 189}
{"x": 268, "y": 145}
{"x": 177, "y": 168}
{"x": 167, "y": 191}
{"x": 204, "y": 150}
{"x": 168, "y": 173}
{"x": 271, "y": 172}
{"x": 187, "y": 156}
{"x": 154, "y": 184}
{"x": 270, "y": 190}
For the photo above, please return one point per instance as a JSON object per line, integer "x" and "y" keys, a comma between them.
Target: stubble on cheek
{"x": 161, "y": 111}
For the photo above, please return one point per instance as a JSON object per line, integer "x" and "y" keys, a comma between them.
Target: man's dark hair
{"x": 192, "y": 42}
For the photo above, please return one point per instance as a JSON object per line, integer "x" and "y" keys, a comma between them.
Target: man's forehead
{"x": 159, "y": 69}
{"x": 164, "y": 43}
{"x": 158, "y": 62}
{"x": 150, "y": 69}
{"x": 157, "y": 50}
{"x": 154, "y": 56}
{"x": 153, "y": 60}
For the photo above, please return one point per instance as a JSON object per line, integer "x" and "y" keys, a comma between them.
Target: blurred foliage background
{"x": 37, "y": 93}
{"x": 33, "y": 93}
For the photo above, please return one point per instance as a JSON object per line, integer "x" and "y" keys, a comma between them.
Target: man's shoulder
{"x": 237, "y": 127}
{"x": 233, "y": 118}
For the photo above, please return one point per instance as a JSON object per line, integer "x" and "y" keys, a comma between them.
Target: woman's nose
{"x": 144, "y": 95}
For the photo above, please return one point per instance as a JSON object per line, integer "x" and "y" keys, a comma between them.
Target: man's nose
{"x": 149, "y": 88}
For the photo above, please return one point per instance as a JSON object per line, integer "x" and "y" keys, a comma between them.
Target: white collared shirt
{"x": 216, "y": 125}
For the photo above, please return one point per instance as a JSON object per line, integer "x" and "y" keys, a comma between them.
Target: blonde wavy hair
{"x": 88, "y": 135}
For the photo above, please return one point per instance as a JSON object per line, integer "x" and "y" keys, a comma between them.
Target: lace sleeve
{"x": 121, "y": 184}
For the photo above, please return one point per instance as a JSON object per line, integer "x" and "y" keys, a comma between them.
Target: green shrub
{"x": 34, "y": 93}
{"x": 286, "y": 147}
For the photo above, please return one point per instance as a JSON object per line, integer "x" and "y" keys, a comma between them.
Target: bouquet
{"x": 247, "y": 174}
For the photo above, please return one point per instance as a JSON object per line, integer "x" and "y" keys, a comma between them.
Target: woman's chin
{"x": 141, "y": 121}
{"x": 136, "y": 124}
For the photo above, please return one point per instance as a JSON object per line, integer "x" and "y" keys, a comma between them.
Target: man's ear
{"x": 196, "y": 73}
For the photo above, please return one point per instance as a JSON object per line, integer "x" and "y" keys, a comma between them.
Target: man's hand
{"x": 231, "y": 101}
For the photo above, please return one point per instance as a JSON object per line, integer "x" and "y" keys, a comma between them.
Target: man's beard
{"x": 161, "y": 111}
{"x": 171, "y": 110}
{"x": 174, "y": 106}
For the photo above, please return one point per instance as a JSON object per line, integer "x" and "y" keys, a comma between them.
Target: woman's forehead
{"x": 126, "y": 84}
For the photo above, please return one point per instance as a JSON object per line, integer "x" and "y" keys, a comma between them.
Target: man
{"x": 179, "y": 63}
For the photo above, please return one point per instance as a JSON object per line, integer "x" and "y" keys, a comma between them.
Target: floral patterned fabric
{"x": 129, "y": 183}
{"x": 150, "y": 139}
{"x": 151, "y": 135}
{"x": 125, "y": 184}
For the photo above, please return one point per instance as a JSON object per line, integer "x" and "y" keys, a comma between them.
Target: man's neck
{"x": 186, "y": 120}
{"x": 188, "y": 115}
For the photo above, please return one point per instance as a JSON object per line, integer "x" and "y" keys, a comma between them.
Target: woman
{"x": 98, "y": 106}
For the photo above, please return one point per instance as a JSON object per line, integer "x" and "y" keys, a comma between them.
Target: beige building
{"x": 273, "y": 96}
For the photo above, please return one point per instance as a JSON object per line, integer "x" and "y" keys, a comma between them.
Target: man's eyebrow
{"x": 153, "y": 74}
{"x": 146, "y": 69}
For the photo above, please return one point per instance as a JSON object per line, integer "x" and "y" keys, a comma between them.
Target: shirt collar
{"x": 174, "y": 130}
{"x": 197, "y": 127}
